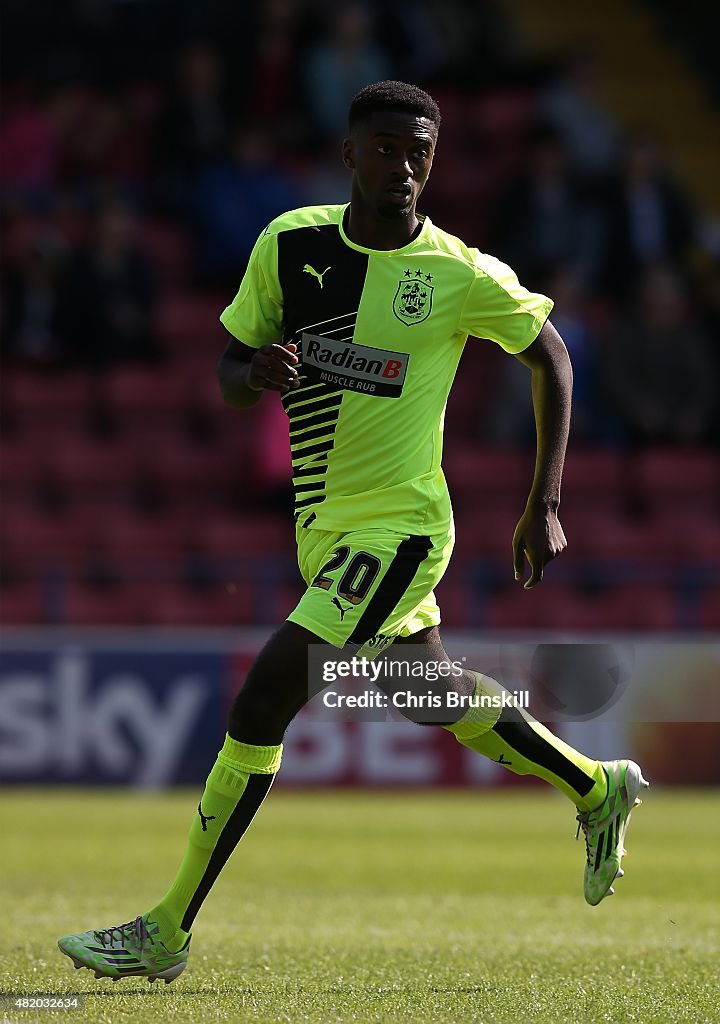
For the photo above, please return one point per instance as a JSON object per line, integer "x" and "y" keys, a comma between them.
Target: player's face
{"x": 390, "y": 154}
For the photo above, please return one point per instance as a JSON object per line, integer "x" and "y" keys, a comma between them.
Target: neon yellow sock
{"x": 236, "y": 786}
{"x": 524, "y": 746}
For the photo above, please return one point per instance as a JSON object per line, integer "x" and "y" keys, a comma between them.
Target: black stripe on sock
{"x": 244, "y": 812}
{"x": 410, "y": 553}
{"x": 513, "y": 728}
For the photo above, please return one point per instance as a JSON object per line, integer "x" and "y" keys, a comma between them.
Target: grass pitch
{"x": 374, "y": 908}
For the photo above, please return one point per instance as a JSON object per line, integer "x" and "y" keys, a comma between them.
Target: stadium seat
{"x": 41, "y": 539}
{"x": 455, "y": 605}
{"x": 599, "y": 471}
{"x": 158, "y": 391}
{"x": 709, "y": 609}
{"x": 87, "y": 605}
{"x": 169, "y": 251}
{"x": 674, "y": 480}
{"x": 206, "y": 472}
{"x": 488, "y": 531}
{"x": 123, "y": 534}
{"x": 190, "y": 324}
{"x": 220, "y": 605}
{"x": 485, "y": 472}
{"x": 24, "y": 461}
{"x": 48, "y": 396}
{"x": 81, "y": 461}
{"x": 562, "y": 607}
{"x": 252, "y": 537}
{"x": 22, "y": 604}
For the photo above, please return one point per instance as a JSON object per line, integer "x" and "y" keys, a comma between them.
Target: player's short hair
{"x": 393, "y": 96}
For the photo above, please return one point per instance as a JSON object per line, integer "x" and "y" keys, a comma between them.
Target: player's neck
{"x": 373, "y": 232}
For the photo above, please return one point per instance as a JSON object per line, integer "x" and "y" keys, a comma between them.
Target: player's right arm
{"x": 244, "y": 372}
{"x": 254, "y": 361}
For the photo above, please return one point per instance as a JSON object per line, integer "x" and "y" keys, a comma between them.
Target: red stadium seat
{"x": 560, "y": 607}
{"x": 676, "y": 479}
{"x": 221, "y": 605}
{"x": 150, "y": 391}
{"x": 22, "y": 604}
{"x": 189, "y": 324}
{"x": 124, "y": 534}
{"x": 593, "y": 471}
{"x": 664, "y": 470}
{"x": 487, "y": 531}
{"x": 24, "y": 461}
{"x": 48, "y": 396}
{"x": 33, "y": 538}
{"x": 709, "y": 609}
{"x": 87, "y": 605}
{"x": 259, "y": 536}
{"x": 455, "y": 606}
{"x": 81, "y": 461}
{"x": 169, "y": 251}
{"x": 485, "y": 472}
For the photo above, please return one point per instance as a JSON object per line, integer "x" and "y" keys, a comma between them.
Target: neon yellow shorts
{"x": 369, "y": 587}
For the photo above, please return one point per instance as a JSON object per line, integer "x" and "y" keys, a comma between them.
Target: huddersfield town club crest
{"x": 413, "y": 299}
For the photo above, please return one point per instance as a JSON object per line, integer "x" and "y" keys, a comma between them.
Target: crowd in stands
{"x": 144, "y": 146}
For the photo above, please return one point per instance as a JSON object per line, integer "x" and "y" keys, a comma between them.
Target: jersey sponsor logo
{"x": 372, "y": 371}
{"x": 307, "y": 269}
{"x": 413, "y": 299}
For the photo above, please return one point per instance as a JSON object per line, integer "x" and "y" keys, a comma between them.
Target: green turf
{"x": 416, "y": 907}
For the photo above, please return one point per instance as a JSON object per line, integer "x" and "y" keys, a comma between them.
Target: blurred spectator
{"x": 571, "y": 318}
{"x": 573, "y": 107}
{"x": 108, "y": 301}
{"x": 338, "y": 68}
{"x": 31, "y": 301}
{"x": 546, "y": 216}
{"x": 327, "y": 180}
{"x": 234, "y": 201}
{"x": 648, "y": 219}
{"x": 28, "y": 144}
{"x": 511, "y": 418}
{"x": 273, "y": 77}
{"x": 657, "y": 366}
{"x": 194, "y": 125}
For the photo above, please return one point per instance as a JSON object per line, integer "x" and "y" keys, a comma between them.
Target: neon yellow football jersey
{"x": 379, "y": 335}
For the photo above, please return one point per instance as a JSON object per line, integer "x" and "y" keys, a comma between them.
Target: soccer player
{"x": 357, "y": 315}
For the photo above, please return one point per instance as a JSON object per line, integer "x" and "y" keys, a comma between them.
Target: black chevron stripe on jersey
{"x": 330, "y": 311}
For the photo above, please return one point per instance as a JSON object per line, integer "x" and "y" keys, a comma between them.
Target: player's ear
{"x": 347, "y": 154}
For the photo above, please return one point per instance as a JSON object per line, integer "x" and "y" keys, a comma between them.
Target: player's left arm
{"x": 539, "y": 535}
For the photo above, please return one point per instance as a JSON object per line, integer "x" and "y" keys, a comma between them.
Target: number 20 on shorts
{"x": 357, "y": 579}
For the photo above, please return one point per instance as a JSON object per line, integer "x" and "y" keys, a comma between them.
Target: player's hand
{"x": 272, "y": 368}
{"x": 538, "y": 537}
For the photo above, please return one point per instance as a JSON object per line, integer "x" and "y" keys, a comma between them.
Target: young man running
{"x": 357, "y": 315}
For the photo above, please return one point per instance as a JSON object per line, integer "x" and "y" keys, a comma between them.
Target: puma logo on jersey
{"x": 307, "y": 269}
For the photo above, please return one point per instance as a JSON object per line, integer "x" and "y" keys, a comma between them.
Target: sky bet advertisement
{"x": 89, "y": 709}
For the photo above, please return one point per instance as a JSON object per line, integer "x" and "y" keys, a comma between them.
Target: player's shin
{"x": 238, "y": 783}
{"x": 515, "y": 740}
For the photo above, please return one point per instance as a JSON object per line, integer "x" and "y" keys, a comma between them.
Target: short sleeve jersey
{"x": 379, "y": 334}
